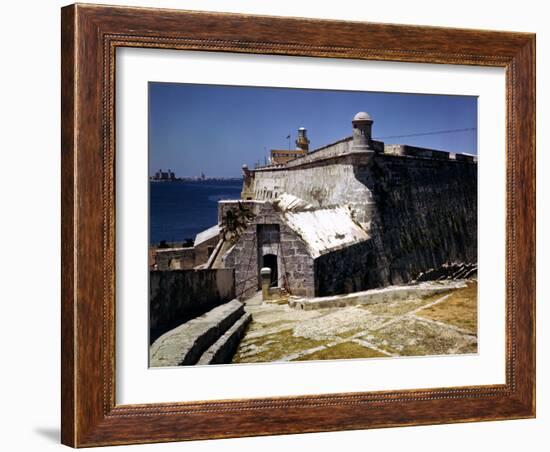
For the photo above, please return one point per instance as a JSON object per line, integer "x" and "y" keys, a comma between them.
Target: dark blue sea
{"x": 179, "y": 210}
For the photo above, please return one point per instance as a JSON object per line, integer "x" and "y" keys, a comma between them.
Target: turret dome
{"x": 362, "y": 116}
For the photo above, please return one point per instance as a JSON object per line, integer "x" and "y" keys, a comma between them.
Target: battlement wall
{"x": 425, "y": 214}
{"x": 415, "y": 151}
{"x": 419, "y": 205}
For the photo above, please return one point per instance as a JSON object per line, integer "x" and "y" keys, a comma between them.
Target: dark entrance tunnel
{"x": 270, "y": 260}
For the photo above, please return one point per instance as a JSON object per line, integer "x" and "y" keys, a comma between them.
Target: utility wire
{"x": 439, "y": 132}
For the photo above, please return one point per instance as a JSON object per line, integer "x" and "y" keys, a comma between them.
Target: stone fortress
{"x": 353, "y": 215}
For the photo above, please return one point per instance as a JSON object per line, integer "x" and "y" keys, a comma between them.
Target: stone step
{"x": 461, "y": 273}
{"x": 373, "y": 296}
{"x": 448, "y": 272}
{"x": 186, "y": 343}
{"x": 457, "y": 271}
{"x": 470, "y": 273}
{"x": 222, "y": 351}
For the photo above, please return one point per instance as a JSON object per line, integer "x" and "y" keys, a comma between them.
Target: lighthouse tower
{"x": 302, "y": 142}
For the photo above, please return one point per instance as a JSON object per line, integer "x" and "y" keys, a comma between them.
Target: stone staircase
{"x": 211, "y": 338}
{"x": 455, "y": 271}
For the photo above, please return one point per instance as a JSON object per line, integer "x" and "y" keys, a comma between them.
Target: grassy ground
{"x": 441, "y": 324}
{"x": 460, "y": 309}
{"x": 348, "y": 350}
{"x": 273, "y": 347}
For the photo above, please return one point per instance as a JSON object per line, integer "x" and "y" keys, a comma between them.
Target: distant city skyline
{"x": 214, "y": 129}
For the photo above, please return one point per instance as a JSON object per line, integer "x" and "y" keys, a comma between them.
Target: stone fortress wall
{"x": 176, "y": 296}
{"x": 426, "y": 213}
{"x": 418, "y": 205}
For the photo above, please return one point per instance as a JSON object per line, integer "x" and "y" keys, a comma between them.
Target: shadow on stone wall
{"x": 177, "y": 296}
{"x": 426, "y": 214}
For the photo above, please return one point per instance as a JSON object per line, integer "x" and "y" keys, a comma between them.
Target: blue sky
{"x": 215, "y": 129}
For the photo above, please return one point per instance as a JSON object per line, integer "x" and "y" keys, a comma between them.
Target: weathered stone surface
{"x": 412, "y": 325}
{"x": 386, "y": 294}
{"x": 186, "y": 343}
{"x": 347, "y": 270}
{"x": 257, "y": 241}
{"x": 179, "y": 295}
{"x": 426, "y": 214}
{"x": 222, "y": 351}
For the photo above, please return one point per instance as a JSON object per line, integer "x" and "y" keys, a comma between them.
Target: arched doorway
{"x": 270, "y": 260}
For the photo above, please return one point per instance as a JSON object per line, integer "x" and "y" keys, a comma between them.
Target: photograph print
{"x": 301, "y": 225}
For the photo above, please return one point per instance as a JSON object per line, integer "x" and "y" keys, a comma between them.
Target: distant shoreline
{"x": 193, "y": 179}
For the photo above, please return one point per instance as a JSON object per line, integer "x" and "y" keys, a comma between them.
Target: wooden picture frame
{"x": 90, "y": 36}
